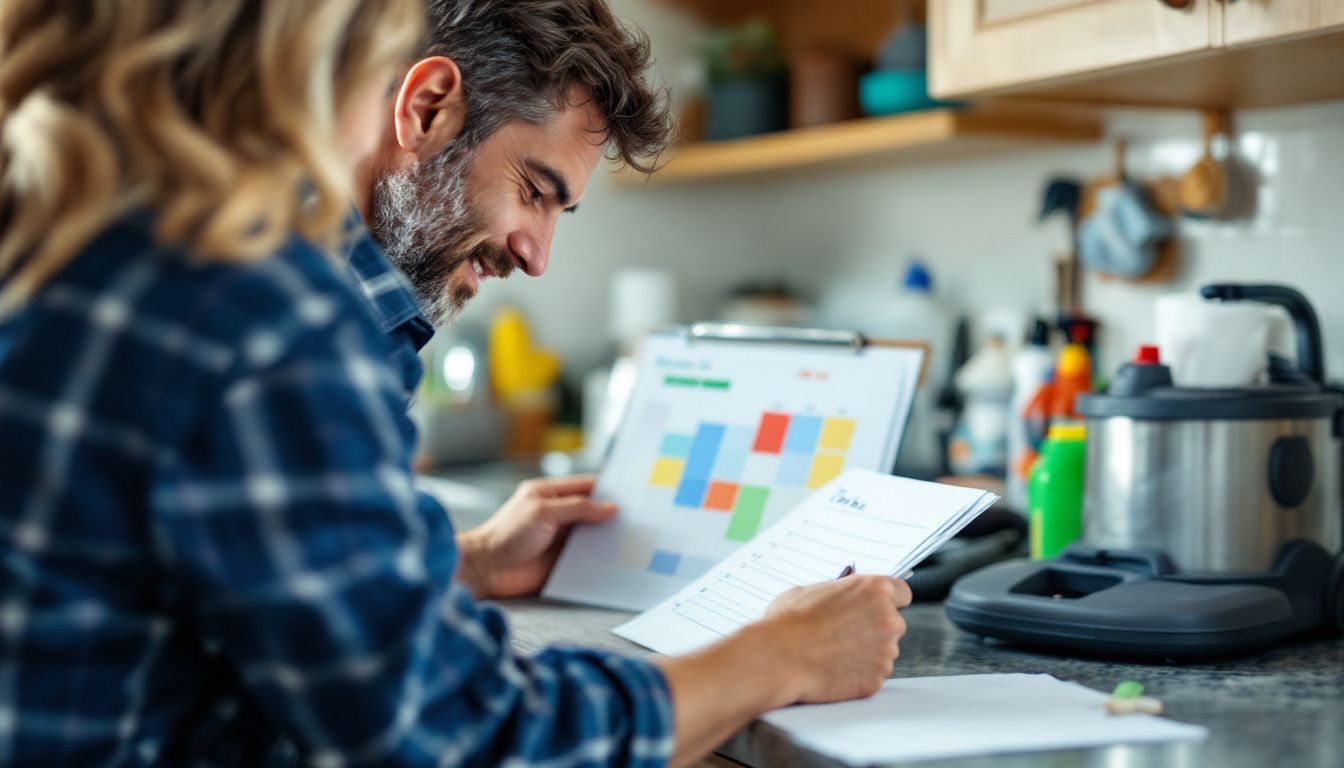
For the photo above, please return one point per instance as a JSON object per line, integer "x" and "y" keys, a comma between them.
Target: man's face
{"x": 473, "y": 213}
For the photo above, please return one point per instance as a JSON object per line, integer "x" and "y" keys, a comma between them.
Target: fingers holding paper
{"x": 843, "y": 636}
{"x": 512, "y": 553}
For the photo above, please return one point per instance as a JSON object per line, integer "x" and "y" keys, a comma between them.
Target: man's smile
{"x": 485, "y": 261}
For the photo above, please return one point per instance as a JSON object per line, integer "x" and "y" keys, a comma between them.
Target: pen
{"x": 849, "y": 571}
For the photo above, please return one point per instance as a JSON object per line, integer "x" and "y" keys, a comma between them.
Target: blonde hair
{"x": 221, "y": 116}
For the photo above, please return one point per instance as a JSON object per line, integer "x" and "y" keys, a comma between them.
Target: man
{"x": 493, "y": 134}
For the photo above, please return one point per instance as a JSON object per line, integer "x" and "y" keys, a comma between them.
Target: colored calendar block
{"x": 836, "y": 434}
{"x": 803, "y": 434}
{"x": 747, "y": 513}
{"x": 825, "y": 468}
{"x": 676, "y": 446}
{"x": 664, "y": 562}
{"x": 704, "y": 449}
{"x": 666, "y": 472}
{"x": 770, "y": 435}
{"x": 733, "y": 452}
{"x": 721, "y": 496}
{"x": 794, "y": 469}
{"x": 691, "y": 492}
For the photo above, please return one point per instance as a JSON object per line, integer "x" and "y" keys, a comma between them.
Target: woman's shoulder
{"x": 269, "y": 302}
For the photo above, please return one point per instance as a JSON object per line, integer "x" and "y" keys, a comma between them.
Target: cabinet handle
{"x": 1179, "y": 5}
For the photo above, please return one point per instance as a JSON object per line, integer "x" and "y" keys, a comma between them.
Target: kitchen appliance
{"x": 455, "y": 412}
{"x": 1213, "y": 519}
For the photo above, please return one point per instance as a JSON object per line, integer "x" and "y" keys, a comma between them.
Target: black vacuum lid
{"x": 1144, "y": 390}
{"x": 1278, "y": 401}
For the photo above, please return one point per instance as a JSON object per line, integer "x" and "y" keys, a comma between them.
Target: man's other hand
{"x": 512, "y": 553}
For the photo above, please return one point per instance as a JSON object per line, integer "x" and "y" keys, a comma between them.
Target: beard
{"x": 422, "y": 219}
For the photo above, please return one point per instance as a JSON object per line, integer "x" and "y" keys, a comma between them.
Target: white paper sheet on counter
{"x": 929, "y": 718}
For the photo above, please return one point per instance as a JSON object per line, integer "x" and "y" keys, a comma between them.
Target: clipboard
{"x": 728, "y": 427}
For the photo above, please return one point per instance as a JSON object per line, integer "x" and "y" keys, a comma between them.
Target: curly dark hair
{"x": 520, "y": 60}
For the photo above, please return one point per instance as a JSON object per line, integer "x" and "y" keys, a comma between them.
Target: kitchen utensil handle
{"x": 1216, "y": 121}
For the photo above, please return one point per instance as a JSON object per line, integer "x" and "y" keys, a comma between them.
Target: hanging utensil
{"x": 1204, "y": 188}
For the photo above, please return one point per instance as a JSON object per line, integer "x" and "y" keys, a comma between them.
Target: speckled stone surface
{"x": 1284, "y": 707}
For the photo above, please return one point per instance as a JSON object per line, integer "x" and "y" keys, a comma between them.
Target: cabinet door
{"x": 980, "y": 47}
{"x": 1253, "y": 21}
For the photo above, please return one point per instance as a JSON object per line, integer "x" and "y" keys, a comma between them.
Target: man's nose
{"x": 532, "y": 249}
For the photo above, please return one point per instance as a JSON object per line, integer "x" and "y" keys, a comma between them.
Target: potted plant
{"x": 747, "y": 81}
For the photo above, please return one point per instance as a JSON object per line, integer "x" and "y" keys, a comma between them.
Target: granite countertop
{"x": 1282, "y": 707}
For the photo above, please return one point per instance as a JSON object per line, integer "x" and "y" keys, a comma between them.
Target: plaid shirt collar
{"x": 385, "y": 287}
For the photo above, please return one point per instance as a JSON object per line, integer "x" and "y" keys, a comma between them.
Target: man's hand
{"x": 843, "y": 636}
{"x": 829, "y": 642}
{"x": 512, "y": 553}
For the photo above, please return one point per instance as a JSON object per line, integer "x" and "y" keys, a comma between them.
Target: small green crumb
{"x": 1129, "y": 689}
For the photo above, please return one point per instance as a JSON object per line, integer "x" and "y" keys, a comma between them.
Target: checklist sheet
{"x": 876, "y": 523}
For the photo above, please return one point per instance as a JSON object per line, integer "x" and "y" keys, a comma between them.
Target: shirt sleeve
{"x": 310, "y": 562}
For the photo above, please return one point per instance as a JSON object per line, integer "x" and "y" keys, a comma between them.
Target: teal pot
{"x": 745, "y": 107}
{"x": 893, "y": 91}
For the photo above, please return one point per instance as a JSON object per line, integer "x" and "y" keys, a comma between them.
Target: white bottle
{"x": 915, "y": 314}
{"x": 980, "y": 441}
{"x": 1031, "y": 368}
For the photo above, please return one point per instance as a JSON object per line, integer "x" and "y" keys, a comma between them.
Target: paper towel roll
{"x": 1215, "y": 344}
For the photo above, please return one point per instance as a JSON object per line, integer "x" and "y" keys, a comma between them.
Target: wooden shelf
{"x": 915, "y": 137}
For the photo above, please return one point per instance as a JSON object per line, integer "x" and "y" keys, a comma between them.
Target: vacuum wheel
{"x": 1334, "y": 606}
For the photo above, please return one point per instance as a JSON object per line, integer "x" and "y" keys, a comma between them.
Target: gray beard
{"x": 421, "y": 219}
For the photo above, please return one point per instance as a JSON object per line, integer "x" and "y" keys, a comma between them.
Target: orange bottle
{"x": 1057, "y": 399}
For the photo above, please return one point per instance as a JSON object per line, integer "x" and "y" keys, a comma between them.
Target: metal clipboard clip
{"x": 851, "y": 341}
{"x": 814, "y": 337}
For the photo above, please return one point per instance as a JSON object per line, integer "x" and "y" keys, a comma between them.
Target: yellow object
{"x": 667, "y": 472}
{"x": 825, "y": 468}
{"x": 836, "y": 434}
{"x": 562, "y": 438}
{"x": 1073, "y": 361}
{"x": 1067, "y": 431}
{"x": 517, "y": 368}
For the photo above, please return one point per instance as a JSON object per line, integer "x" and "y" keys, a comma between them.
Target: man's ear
{"x": 430, "y": 107}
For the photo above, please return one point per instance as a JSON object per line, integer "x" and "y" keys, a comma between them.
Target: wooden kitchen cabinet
{"x": 982, "y": 46}
{"x": 1211, "y": 54}
{"x": 1254, "y": 21}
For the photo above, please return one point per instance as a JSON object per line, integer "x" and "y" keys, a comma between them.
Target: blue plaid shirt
{"x": 393, "y": 304}
{"x": 212, "y": 552}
